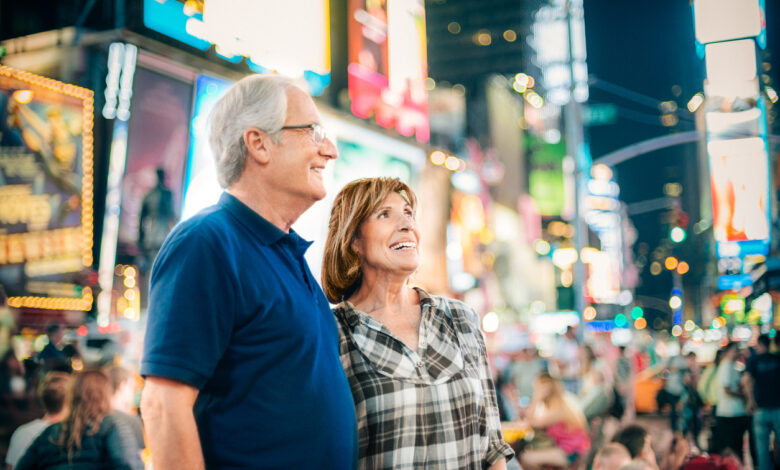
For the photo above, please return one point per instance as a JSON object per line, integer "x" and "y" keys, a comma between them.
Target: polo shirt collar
{"x": 266, "y": 232}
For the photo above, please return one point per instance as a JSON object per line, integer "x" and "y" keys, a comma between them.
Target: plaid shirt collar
{"x": 438, "y": 357}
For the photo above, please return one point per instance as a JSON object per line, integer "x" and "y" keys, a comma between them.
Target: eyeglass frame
{"x": 316, "y": 129}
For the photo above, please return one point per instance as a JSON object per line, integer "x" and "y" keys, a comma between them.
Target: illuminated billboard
{"x": 388, "y": 64}
{"x": 290, "y": 37}
{"x": 723, "y": 20}
{"x": 46, "y": 190}
{"x": 201, "y": 188}
{"x": 545, "y": 176}
{"x": 157, "y": 140}
{"x": 739, "y": 172}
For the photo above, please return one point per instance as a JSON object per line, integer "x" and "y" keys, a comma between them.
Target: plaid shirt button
{"x": 420, "y": 364}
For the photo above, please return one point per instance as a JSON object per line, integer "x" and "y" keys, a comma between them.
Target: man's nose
{"x": 328, "y": 148}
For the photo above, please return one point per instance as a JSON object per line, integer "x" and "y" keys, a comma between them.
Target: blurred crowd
{"x": 576, "y": 408}
{"x": 55, "y": 411}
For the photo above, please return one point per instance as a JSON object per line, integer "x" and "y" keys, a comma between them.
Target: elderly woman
{"x": 416, "y": 363}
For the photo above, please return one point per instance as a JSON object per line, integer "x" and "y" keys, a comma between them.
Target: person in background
{"x": 624, "y": 382}
{"x": 88, "y": 437}
{"x": 708, "y": 391}
{"x": 554, "y": 413}
{"x": 155, "y": 221}
{"x": 763, "y": 384}
{"x": 417, "y": 363}
{"x": 613, "y": 456}
{"x": 673, "y": 389}
{"x": 566, "y": 360}
{"x": 731, "y": 416}
{"x": 521, "y": 373}
{"x": 692, "y": 405}
{"x": 52, "y": 392}
{"x": 637, "y": 440}
{"x": 123, "y": 391}
{"x": 52, "y": 357}
{"x": 241, "y": 352}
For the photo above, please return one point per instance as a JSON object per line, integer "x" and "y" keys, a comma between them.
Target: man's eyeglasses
{"x": 317, "y": 131}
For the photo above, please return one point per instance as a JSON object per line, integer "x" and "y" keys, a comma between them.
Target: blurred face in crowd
{"x": 388, "y": 239}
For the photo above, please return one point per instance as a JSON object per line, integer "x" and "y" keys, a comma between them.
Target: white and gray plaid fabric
{"x": 436, "y": 409}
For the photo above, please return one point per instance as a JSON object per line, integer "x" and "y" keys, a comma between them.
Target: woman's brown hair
{"x": 354, "y": 203}
{"x": 90, "y": 402}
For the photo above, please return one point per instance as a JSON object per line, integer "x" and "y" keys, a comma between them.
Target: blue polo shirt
{"x": 235, "y": 312}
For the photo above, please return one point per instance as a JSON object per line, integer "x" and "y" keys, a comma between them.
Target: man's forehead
{"x": 299, "y": 102}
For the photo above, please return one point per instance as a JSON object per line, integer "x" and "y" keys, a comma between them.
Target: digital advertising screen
{"x": 157, "y": 144}
{"x": 739, "y": 172}
{"x": 201, "y": 188}
{"x": 290, "y": 37}
{"x": 388, "y": 64}
{"x": 46, "y": 191}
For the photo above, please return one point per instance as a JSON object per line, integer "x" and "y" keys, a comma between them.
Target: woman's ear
{"x": 356, "y": 245}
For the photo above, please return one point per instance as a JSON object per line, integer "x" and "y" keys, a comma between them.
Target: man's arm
{"x": 172, "y": 435}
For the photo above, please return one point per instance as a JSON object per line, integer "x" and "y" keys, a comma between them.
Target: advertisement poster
{"x": 201, "y": 188}
{"x": 158, "y": 132}
{"x": 739, "y": 172}
{"x": 388, "y": 64}
{"x": 45, "y": 191}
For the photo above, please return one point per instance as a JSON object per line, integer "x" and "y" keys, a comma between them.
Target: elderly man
{"x": 241, "y": 353}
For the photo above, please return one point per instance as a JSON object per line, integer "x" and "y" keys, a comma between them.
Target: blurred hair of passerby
{"x": 52, "y": 392}
{"x": 52, "y": 357}
{"x": 731, "y": 416}
{"x": 613, "y": 456}
{"x": 762, "y": 374}
{"x": 554, "y": 413}
{"x": 638, "y": 442}
{"x": 566, "y": 360}
{"x": 89, "y": 436}
{"x": 123, "y": 392}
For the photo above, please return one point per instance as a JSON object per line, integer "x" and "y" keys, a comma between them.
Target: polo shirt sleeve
{"x": 191, "y": 310}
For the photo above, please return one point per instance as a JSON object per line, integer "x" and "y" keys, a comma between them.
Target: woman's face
{"x": 388, "y": 239}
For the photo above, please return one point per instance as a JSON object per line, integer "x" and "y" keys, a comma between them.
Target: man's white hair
{"x": 256, "y": 101}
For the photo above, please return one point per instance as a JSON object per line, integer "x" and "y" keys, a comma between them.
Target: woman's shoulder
{"x": 454, "y": 308}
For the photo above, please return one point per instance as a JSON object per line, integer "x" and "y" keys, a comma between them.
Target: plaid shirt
{"x": 435, "y": 409}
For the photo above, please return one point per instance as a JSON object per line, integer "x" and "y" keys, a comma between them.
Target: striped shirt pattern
{"x": 436, "y": 409}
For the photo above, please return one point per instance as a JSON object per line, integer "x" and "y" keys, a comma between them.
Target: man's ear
{"x": 256, "y": 142}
